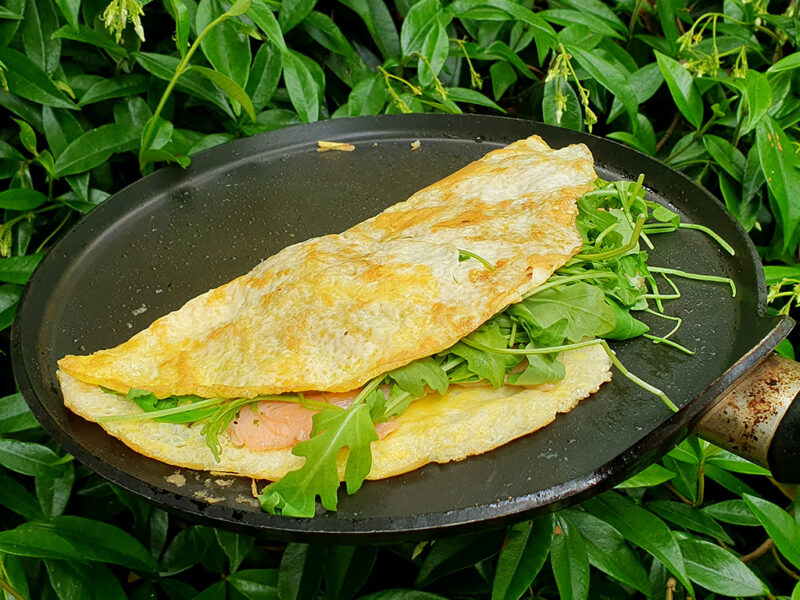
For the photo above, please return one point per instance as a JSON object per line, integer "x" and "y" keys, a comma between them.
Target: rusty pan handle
{"x": 759, "y": 418}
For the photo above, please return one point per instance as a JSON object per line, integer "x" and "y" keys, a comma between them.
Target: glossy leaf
{"x": 235, "y": 545}
{"x": 569, "y": 561}
{"x": 69, "y": 9}
{"x": 230, "y": 87}
{"x": 21, "y": 199}
{"x": 18, "y": 269}
{"x": 14, "y": 412}
{"x": 292, "y": 12}
{"x": 347, "y": 569}
{"x": 524, "y": 552}
{"x": 60, "y": 128}
{"x": 608, "y": 551}
{"x": 718, "y": 570}
{"x": 653, "y": 475}
{"x": 683, "y": 89}
{"x": 15, "y": 497}
{"x": 39, "y": 23}
{"x": 301, "y": 86}
{"x": 379, "y": 23}
{"x": 53, "y": 493}
{"x": 642, "y": 528}
{"x": 757, "y": 99}
{"x": 28, "y": 80}
{"x": 735, "y": 512}
{"x": 726, "y": 154}
{"x": 780, "y": 526}
{"x": 120, "y": 87}
{"x": 94, "y": 148}
{"x": 453, "y": 554}
{"x": 29, "y": 458}
{"x": 183, "y": 25}
{"x": 610, "y": 77}
{"x": 689, "y": 517}
{"x": 300, "y": 572}
{"x": 266, "y": 21}
{"x": 780, "y": 166}
{"x": 225, "y": 47}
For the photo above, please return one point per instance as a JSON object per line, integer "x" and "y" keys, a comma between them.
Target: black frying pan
{"x": 177, "y": 233}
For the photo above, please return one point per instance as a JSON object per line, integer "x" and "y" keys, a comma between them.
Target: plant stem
{"x": 179, "y": 70}
{"x": 765, "y": 547}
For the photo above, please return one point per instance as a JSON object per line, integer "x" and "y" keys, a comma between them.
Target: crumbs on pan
{"x": 415, "y": 145}
{"x": 176, "y": 479}
{"x": 253, "y": 488}
{"x": 341, "y": 146}
{"x": 241, "y": 498}
{"x": 202, "y": 495}
{"x": 223, "y": 482}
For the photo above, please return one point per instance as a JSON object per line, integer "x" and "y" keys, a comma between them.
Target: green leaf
{"x": 683, "y": 89}
{"x": 730, "y": 462}
{"x": 643, "y": 529}
{"x": 503, "y": 77}
{"x": 60, "y": 127}
{"x": 587, "y": 19}
{"x": 27, "y": 80}
{"x": 522, "y": 557}
{"x": 300, "y": 572}
{"x": 94, "y": 37}
{"x": 368, "y": 97}
{"x": 15, "y": 497}
{"x": 347, "y": 569}
{"x": 734, "y": 512}
{"x": 238, "y": 8}
{"x": 435, "y": 48}
{"x": 780, "y": 526}
{"x": 255, "y": 584}
{"x": 757, "y": 99}
{"x": 119, "y": 87}
{"x": 457, "y": 94}
{"x": 689, "y": 517}
{"x": 266, "y": 21}
{"x": 718, "y": 570}
{"x": 728, "y": 481}
{"x": 164, "y": 67}
{"x": 15, "y": 414}
{"x": 235, "y": 545}
{"x": 225, "y": 47}
{"x": 416, "y": 25}
{"x": 569, "y": 560}
{"x": 488, "y": 365}
{"x": 18, "y": 269}
{"x": 94, "y": 148}
{"x": 292, "y": 13}
{"x": 230, "y": 87}
{"x": 183, "y": 24}
{"x": 780, "y": 165}
{"x": 402, "y": 594}
{"x": 609, "y": 552}
{"x": 726, "y": 154}
{"x": 380, "y": 24}
{"x": 29, "y": 458}
{"x": 327, "y": 33}
{"x": 296, "y": 492}
{"x": 27, "y": 136}
{"x": 39, "y": 23}
{"x": 456, "y": 553}
{"x": 69, "y": 8}
{"x": 413, "y": 377}
{"x": 300, "y": 85}
{"x": 21, "y": 199}
{"x": 653, "y": 475}
{"x": 66, "y": 582}
{"x": 610, "y": 77}
{"x": 53, "y": 492}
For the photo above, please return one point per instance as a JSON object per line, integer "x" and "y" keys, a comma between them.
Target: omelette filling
{"x": 584, "y": 303}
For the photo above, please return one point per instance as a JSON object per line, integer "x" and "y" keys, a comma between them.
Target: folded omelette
{"x": 331, "y": 313}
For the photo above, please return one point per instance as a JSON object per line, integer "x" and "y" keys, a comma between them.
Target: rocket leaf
{"x": 295, "y": 494}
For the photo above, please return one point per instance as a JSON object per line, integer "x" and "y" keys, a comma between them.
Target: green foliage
{"x": 97, "y": 94}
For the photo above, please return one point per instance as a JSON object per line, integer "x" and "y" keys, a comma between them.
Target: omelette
{"x": 324, "y": 317}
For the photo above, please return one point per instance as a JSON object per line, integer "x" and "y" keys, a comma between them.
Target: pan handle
{"x": 759, "y": 418}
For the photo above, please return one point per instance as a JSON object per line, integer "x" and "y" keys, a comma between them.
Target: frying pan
{"x": 177, "y": 233}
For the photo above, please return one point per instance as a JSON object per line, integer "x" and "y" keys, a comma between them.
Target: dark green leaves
{"x": 77, "y": 539}
{"x": 683, "y": 90}
{"x": 780, "y": 165}
{"x": 780, "y": 526}
{"x": 524, "y": 552}
{"x": 27, "y": 79}
{"x": 29, "y": 458}
{"x": 303, "y": 90}
{"x": 569, "y": 561}
{"x": 94, "y": 147}
{"x": 718, "y": 570}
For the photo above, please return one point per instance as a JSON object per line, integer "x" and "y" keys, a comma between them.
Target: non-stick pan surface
{"x": 177, "y": 233}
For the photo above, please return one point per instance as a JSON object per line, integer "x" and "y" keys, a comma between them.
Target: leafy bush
{"x": 98, "y": 94}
